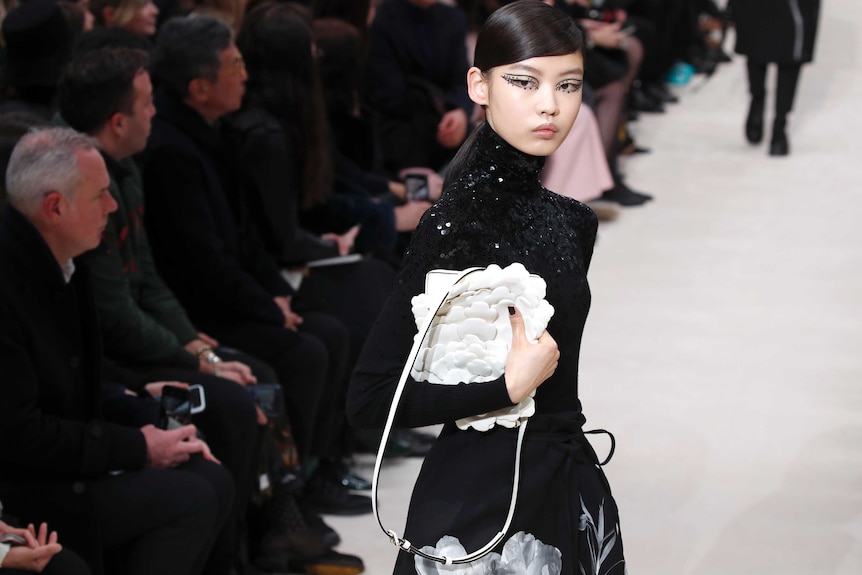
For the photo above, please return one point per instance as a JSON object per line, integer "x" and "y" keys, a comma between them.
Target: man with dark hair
{"x": 102, "y": 485}
{"x": 213, "y": 259}
{"x": 107, "y": 94}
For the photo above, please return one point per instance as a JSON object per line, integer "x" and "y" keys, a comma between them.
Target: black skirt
{"x": 564, "y": 500}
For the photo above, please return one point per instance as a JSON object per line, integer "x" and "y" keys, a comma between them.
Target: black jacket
{"x": 53, "y": 436}
{"x": 204, "y": 247}
{"x": 781, "y": 31}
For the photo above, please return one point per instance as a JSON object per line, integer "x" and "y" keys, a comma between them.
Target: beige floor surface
{"x": 724, "y": 346}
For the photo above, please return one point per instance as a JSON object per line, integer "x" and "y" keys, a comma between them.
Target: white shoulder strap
{"x": 387, "y": 430}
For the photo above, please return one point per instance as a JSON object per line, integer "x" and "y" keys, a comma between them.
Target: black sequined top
{"x": 496, "y": 212}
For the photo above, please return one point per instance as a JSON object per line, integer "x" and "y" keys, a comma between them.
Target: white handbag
{"x": 464, "y": 336}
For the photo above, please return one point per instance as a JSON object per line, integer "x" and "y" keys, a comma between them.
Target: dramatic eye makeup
{"x": 570, "y": 86}
{"x": 523, "y": 82}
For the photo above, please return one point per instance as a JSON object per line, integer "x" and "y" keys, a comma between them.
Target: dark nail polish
{"x": 511, "y": 310}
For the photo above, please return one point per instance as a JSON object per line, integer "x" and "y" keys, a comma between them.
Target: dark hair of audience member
{"x": 276, "y": 42}
{"x": 516, "y": 32}
{"x": 98, "y": 84}
{"x": 340, "y": 64}
{"x": 354, "y": 12}
{"x": 118, "y": 37}
{"x": 189, "y": 48}
{"x": 13, "y": 125}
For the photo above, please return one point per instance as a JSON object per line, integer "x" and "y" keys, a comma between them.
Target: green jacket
{"x": 142, "y": 321}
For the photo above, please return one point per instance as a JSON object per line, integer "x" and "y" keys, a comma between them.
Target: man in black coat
{"x": 781, "y": 32}
{"x": 209, "y": 252}
{"x": 104, "y": 486}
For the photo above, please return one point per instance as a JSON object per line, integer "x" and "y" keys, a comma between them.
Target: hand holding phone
{"x": 417, "y": 187}
{"x": 178, "y": 404}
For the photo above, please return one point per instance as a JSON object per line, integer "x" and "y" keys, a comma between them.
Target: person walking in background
{"x": 780, "y": 32}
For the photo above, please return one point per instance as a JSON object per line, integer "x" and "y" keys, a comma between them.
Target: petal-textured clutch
{"x": 469, "y": 338}
{"x": 464, "y": 337}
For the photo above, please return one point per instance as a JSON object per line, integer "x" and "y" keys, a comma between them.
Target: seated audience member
{"x": 39, "y": 553}
{"x": 38, "y": 38}
{"x": 154, "y": 499}
{"x": 107, "y": 94}
{"x": 212, "y": 258}
{"x": 415, "y": 85}
{"x": 138, "y": 16}
{"x": 340, "y": 60}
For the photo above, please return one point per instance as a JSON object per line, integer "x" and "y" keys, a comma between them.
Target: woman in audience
{"x": 138, "y": 16}
{"x": 280, "y": 138}
{"x": 284, "y": 87}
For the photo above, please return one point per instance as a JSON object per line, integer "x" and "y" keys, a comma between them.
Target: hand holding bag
{"x": 464, "y": 337}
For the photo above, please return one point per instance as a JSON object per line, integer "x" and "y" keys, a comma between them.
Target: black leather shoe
{"x": 660, "y": 92}
{"x": 332, "y": 563}
{"x": 641, "y": 102}
{"x": 328, "y": 497}
{"x": 419, "y": 443}
{"x": 328, "y": 535}
{"x": 625, "y": 196}
{"x": 779, "y": 146}
{"x": 754, "y": 122}
{"x": 354, "y": 482}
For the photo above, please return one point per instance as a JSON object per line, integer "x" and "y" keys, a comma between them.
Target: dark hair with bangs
{"x": 519, "y": 31}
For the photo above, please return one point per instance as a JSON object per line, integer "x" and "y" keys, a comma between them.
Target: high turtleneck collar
{"x": 492, "y": 156}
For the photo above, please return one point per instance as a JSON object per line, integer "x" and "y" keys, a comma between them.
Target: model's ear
{"x": 477, "y": 86}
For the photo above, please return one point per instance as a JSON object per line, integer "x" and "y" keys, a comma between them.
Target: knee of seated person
{"x": 232, "y": 400}
{"x": 208, "y": 492}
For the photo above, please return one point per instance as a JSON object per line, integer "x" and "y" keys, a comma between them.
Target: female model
{"x": 528, "y": 75}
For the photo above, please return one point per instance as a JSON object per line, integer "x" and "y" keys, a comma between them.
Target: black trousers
{"x": 785, "y": 89}
{"x": 311, "y": 367}
{"x": 229, "y": 425}
{"x": 144, "y": 522}
{"x": 166, "y": 520}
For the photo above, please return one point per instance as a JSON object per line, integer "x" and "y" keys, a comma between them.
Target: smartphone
{"x": 629, "y": 30}
{"x": 178, "y": 404}
{"x": 12, "y": 539}
{"x": 417, "y": 187}
{"x": 269, "y": 397}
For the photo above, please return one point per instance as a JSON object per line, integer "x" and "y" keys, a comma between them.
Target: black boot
{"x": 779, "y": 146}
{"x": 754, "y": 122}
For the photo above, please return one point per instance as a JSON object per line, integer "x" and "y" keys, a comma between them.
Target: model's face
{"x": 86, "y": 213}
{"x": 138, "y": 123}
{"x": 532, "y": 104}
{"x": 144, "y": 22}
